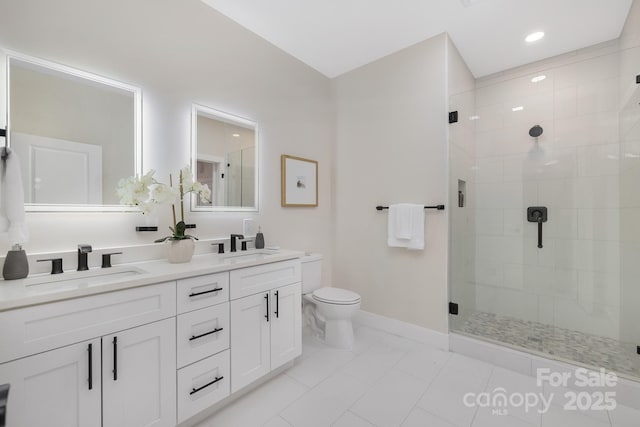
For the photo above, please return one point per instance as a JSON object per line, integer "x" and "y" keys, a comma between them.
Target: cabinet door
{"x": 139, "y": 376}
{"x": 286, "y": 326}
{"x": 250, "y": 347}
{"x": 54, "y": 388}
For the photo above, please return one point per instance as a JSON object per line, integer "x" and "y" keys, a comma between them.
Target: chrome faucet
{"x": 233, "y": 241}
{"x": 83, "y": 250}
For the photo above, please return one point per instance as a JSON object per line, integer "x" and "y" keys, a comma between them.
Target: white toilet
{"x": 327, "y": 310}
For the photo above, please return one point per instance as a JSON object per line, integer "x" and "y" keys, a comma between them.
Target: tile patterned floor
{"x": 564, "y": 343}
{"x": 386, "y": 380}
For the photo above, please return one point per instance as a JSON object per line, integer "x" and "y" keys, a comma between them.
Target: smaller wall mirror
{"x": 76, "y": 134}
{"x": 224, "y": 155}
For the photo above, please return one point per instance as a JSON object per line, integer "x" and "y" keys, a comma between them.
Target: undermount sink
{"x": 247, "y": 256}
{"x": 89, "y": 278}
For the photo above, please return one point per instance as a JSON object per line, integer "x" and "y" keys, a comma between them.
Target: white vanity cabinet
{"x": 151, "y": 355}
{"x": 265, "y": 320}
{"x": 131, "y": 383}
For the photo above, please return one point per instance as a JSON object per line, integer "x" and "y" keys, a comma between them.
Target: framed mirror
{"x": 76, "y": 134}
{"x": 224, "y": 155}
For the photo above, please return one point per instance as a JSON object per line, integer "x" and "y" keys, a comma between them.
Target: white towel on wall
{"x": 405, "y": 226}
{"x": 12, "y": 218}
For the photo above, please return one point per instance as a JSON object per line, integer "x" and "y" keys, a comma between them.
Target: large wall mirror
{"x": 225, "y": 157}
{"x": 76, "y": 135}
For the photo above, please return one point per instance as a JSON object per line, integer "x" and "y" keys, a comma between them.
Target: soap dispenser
{"x": 259, "y": 239}
{"x": 16, "y": 265}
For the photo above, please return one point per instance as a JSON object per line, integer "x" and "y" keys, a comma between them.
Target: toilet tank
{"x": 311, "y": 272}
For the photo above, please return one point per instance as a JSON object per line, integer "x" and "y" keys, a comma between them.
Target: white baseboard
{"x": 403, "y": 329}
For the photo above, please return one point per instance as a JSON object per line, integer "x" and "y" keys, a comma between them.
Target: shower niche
{"x": 462, "y": 190}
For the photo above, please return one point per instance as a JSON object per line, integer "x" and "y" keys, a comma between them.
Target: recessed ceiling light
{"x": 537, "y": 79}
{"x": 236, "y": 135}
{"x": 534, "y": 37}
{"x": 519, "y": 108}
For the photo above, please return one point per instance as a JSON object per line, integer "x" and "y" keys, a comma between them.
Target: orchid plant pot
{"x": 180, "y": 251}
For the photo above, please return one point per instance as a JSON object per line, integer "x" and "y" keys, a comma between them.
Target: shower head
{"x": 535, "y": 131}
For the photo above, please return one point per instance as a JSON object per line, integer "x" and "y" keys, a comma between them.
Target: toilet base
{"x": 331, "y": 324}
{"x": 339, "y": 333}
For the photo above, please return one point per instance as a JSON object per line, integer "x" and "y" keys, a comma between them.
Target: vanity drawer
{"x": 35, "y": 329}
{"x": 202, "y": 333}
{"x": 195, "y": 389}
{"x": 252, "y": 280}
{"x": 202, "y": 291}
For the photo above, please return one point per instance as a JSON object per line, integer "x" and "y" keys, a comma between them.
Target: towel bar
{"x": 438, "y": 207}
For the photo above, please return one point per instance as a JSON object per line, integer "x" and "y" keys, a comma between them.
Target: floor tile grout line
{"x": 405, "y": 353}
{"x": 431, "y": 383}
{"x": 309, "y": 389}
{"x": 486, "y": 384}
{"x": 379, "y": 379}
{"x": 434, "y": 376}
{"x": 355, "y": 415}
{"x": 277, "y": 416}
{"x": 328, "y": 376}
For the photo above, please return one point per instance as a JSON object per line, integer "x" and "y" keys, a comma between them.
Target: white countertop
{"x": 46, "y": 288}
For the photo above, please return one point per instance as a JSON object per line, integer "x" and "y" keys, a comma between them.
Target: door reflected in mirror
{"x": 224, "y": 153}
{"x": 76, "y": 134}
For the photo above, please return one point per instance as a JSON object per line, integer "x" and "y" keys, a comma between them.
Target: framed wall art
{"x": 299, "y": 181}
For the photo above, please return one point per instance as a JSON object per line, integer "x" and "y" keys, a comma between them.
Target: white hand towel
{"x": 12, "y": 218}
{"x": 402, "y": 217}
{"x": 406, "y": 226}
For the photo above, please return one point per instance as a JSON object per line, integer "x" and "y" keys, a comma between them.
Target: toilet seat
{"x": 336, "y": 296}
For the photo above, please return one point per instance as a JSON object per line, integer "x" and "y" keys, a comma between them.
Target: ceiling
{"x": 336, "y": 36}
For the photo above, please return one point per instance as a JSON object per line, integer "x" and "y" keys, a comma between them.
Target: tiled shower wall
{"x": 581, "y": 169}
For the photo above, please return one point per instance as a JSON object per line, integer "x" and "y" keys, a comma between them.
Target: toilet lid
{"x": 336, "y": 296}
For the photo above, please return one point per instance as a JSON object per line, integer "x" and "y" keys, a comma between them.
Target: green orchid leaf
{"x": 180, "y": 228}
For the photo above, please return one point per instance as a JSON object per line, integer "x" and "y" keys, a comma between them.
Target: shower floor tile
{"x": 592, "y": 350}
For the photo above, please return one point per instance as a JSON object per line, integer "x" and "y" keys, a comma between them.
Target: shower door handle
{"x": 537, "y": 214}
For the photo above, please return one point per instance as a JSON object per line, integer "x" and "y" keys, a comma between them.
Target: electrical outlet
{"x": 248, "y": 228}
